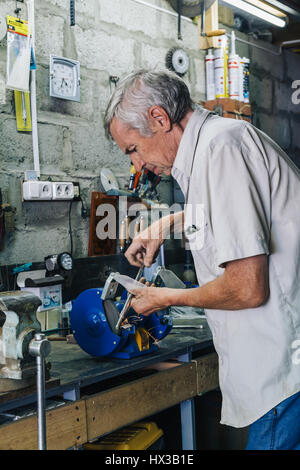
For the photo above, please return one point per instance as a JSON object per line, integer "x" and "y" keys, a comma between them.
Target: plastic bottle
{"x": 233, "y": 71}
{"x": 246, "y": 74}
{"x": 220, "y": 67}
{"x": 210, "y": 76}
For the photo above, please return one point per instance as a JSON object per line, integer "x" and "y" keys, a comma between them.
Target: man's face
{"x": 156, "y": 153}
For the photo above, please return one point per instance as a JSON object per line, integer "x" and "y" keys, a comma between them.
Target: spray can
{"x": 210, "y": 76}
{"x": 233, "y": 71}
{"x": 221, "y": 63}
{"x": 246, "y": 74}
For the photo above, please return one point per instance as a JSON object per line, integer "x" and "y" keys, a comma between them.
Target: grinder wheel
{"x": 112, "y": 315}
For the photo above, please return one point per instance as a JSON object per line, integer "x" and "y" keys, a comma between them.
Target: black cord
{"x": 70, "y": 226}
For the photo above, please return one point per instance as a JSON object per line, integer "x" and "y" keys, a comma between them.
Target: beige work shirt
{"x": 249, "y": 192}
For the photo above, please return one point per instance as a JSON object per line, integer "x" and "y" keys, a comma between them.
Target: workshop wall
{"x": 110, "y": 38}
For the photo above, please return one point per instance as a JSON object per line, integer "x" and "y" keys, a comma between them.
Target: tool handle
{"x": 216, "y": 32}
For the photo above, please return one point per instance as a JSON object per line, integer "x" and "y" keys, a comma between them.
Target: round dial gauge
{"x": 66, "y": 262}
{"x": 64, "y": 78}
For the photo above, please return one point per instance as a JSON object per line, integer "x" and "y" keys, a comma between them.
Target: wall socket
{"x": 48, "y": 190}
{"x": 77, "y": 196}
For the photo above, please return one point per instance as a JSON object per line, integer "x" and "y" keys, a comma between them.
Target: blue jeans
{"x": 279, "y": 429}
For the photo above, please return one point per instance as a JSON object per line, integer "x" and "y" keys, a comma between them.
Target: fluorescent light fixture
{"x": 266, "y": 7}
{"x": 264, "y": 15}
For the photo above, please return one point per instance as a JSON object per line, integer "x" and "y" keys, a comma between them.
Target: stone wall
{"x": 109, "y": 38}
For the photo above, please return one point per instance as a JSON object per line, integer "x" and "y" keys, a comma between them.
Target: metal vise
{"x": 18, "y": 325}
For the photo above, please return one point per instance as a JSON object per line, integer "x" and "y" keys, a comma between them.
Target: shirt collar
{"x": 185, "y": 153}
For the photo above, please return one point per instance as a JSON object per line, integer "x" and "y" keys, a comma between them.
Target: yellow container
{"x": 139, "y": 436}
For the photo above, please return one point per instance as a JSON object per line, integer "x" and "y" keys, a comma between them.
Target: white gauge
{"x": 65, "y": 261}
{"x": 64, "y": 78}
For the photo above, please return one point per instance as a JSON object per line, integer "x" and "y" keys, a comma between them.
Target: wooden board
{"x": 108, "y": 411}
{"x": 23, "y": 392}
{"x": 211, "y": 24}
{"x": 207, "y": 373}
{"x": 229, "y": 108}
{"x": 66, "y": 428}
{"x": 99, "y": 247}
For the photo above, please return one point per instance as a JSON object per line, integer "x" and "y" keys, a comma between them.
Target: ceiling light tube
{"x": 257, "y": 12}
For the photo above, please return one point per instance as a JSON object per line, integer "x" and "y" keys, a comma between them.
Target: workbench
{"x": 100, "y": 395}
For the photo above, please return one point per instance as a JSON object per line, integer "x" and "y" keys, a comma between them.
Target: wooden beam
{"x": 211, "y": 24}
{"x": 66, "y": 428}
{"x": 207, "y": 373}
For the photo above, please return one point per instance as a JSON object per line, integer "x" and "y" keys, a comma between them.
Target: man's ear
{"x": 159, "y": 119}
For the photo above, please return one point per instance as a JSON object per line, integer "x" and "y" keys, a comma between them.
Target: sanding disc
{"x": 112, "y": 315}
{"x": 108, "y": 180}
{"x": 178, "y": 61}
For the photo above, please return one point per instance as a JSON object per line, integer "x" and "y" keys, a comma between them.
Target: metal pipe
{"x": 40, "y": 347}
{"x": 41, "y": 413}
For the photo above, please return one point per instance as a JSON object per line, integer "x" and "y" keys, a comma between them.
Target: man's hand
{"x": 145, "y": 246}
{"x": 150, "y": 299}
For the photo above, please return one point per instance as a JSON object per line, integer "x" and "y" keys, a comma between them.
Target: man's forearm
{"x": 244, "y": 284}
{"x": 213, "y": 295}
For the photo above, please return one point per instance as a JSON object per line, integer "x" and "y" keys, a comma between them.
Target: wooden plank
{"x": 211, "y": 24}
{"x": 96, "y": 246}
{"x": 207, "y": 373}
{"x": 66, "y": 428}
{"x": 108, "y": 411}
{"x": 23, "y": 392}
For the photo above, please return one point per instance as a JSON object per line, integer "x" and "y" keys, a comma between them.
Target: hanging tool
{"x": 23, "y": 114}
{"x": 151, "y": 192}
{"x": 143, "y": 181}
{"x": 132, "y": 177}
{"x": 72, "y": 12}
{"x": 178, "y": 61}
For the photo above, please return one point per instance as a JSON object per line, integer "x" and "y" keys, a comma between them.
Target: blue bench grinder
{"x": 104, "y": 326}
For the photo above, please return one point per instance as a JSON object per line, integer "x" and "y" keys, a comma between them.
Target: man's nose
{"x": 138, "y": 163}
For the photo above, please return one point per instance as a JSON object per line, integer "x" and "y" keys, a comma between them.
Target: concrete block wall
{"x": 111, "y": 37}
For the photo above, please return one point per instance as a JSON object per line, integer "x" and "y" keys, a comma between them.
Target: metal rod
{"x": 40, "y": 347}
{"x": 41, "y": 412}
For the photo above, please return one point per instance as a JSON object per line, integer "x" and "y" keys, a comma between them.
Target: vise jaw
{"x": 18, "y": 325}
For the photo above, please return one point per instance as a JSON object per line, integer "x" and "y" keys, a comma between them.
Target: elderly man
{"x": 248, "y": 266}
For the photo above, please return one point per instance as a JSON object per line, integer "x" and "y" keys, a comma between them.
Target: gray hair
{"x": 140, "y": 90}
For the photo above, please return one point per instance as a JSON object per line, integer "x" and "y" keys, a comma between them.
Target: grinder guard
{"x": 93, "y": 322}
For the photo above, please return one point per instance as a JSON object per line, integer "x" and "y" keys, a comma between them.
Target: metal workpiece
{"x": 40, "y": 348}
{"x": 128, "y": 300}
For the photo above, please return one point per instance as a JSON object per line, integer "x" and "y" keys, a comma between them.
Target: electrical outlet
{"x": 62, "y": 190}
{"x": 77, "y": 196}
{"x": 37, "y": 190}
